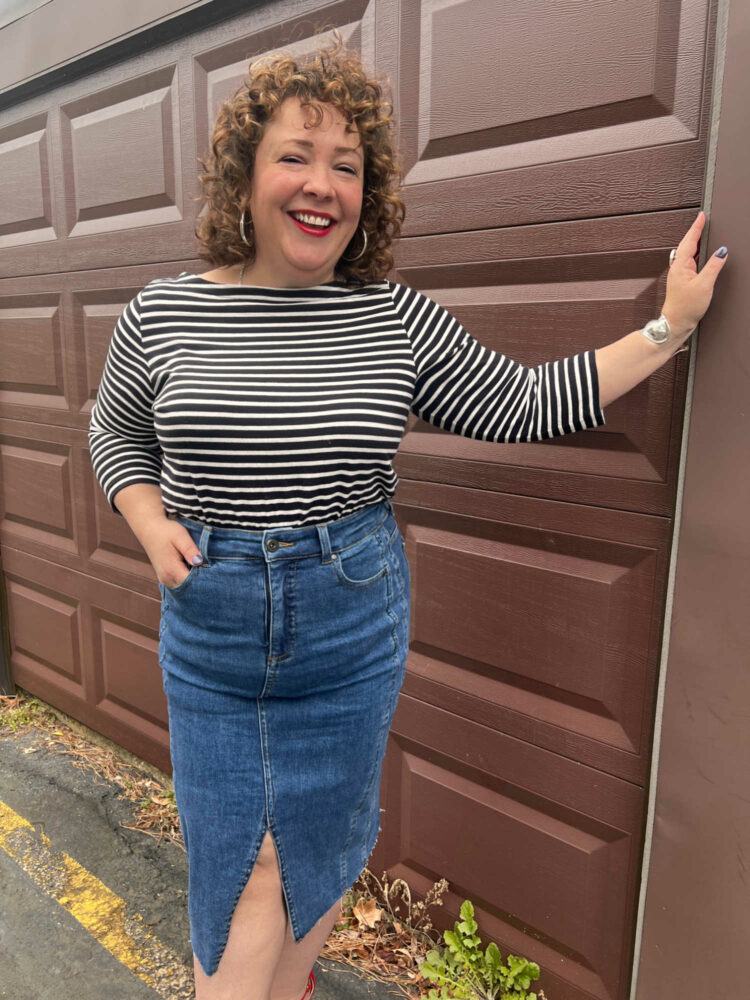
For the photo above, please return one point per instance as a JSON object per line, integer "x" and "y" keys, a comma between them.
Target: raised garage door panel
{"x": 55, "y": 333}
{"x": 536, "y": 618}
{"x": 544, "y": 111}
{"x": 89, "y": 648}
{"x": 53, "y": 508}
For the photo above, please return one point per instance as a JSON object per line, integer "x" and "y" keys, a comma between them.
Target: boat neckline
{"x": 336, "y": 283}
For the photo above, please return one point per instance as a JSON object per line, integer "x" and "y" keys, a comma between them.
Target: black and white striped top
{"x": 266, "y": 407}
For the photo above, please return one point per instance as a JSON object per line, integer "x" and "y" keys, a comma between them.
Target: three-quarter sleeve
{"x": 122, "y": 440}
{"x": 471, "y": 390}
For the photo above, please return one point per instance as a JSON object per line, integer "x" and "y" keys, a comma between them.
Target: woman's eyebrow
{"x": 338, "y": 149}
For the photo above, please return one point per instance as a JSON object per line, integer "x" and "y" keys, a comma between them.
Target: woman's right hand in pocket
{"x": 171, "y": 550}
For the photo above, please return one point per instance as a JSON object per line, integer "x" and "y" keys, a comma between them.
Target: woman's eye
{"x": 347, "y": 168}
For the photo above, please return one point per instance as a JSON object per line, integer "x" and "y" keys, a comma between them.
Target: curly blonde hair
{"x": 331, "y": 76}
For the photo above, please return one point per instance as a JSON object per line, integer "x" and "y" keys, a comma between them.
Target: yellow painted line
{"x": 103, "y": 913}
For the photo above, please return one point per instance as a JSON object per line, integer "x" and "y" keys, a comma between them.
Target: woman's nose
{"x": 318, "y": 182}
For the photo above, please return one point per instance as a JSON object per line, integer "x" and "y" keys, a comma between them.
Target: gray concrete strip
{"x": 45, "y": 954}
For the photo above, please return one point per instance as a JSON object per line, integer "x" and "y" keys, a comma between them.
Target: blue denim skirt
{"x": 282, "y": 658}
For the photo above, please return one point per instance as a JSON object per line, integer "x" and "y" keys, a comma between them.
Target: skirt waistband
{"x": 273, "y": 544}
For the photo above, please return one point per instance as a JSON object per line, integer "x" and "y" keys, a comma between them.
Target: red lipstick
{"x": 314, "y": 230}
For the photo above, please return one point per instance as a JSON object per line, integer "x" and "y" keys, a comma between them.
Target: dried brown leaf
{"x": 367, "y": 912}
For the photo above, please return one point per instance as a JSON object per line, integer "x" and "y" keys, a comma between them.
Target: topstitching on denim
{"x": 339, "y": 560}
{"x": 384, "y": 723}
{"x": 271, "y": 820}
{"x": 287, "y": 626}
{"x": 399, "y": 556}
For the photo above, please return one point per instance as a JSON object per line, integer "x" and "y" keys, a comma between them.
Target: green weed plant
{"x": 463, "y": 971}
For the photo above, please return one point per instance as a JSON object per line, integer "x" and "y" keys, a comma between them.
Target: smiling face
{"x": 306, "y": 197}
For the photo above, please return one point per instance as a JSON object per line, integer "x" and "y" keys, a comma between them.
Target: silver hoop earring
{"x": 242, "y": 227}
{"x": 352, "y": 259}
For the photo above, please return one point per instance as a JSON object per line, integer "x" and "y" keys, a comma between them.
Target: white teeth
{"x": 312, "y": 220}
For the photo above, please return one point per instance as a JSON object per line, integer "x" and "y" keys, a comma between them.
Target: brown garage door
{"x": 554, "y": 153}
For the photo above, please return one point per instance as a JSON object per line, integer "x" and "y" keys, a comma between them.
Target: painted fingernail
{"x": 196, "y": 560}
{"x": 721, "y": 252}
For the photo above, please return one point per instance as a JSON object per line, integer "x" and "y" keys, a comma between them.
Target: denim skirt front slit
{"x": 282, "y": 658}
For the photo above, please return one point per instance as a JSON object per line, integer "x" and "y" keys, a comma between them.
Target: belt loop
{"x": 389, "y": 505}
{"x": 325, "y": 543}
{"x": 203, "y": 543}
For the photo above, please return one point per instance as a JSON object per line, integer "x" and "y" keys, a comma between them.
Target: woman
{"x": 245, "y": 425}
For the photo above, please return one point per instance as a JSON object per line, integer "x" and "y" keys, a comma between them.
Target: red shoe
{"x": 310, "y": 987}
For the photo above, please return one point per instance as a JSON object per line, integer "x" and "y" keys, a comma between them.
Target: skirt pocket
{"x": 183, "y": 584}
{"x": 362, "y": 564}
